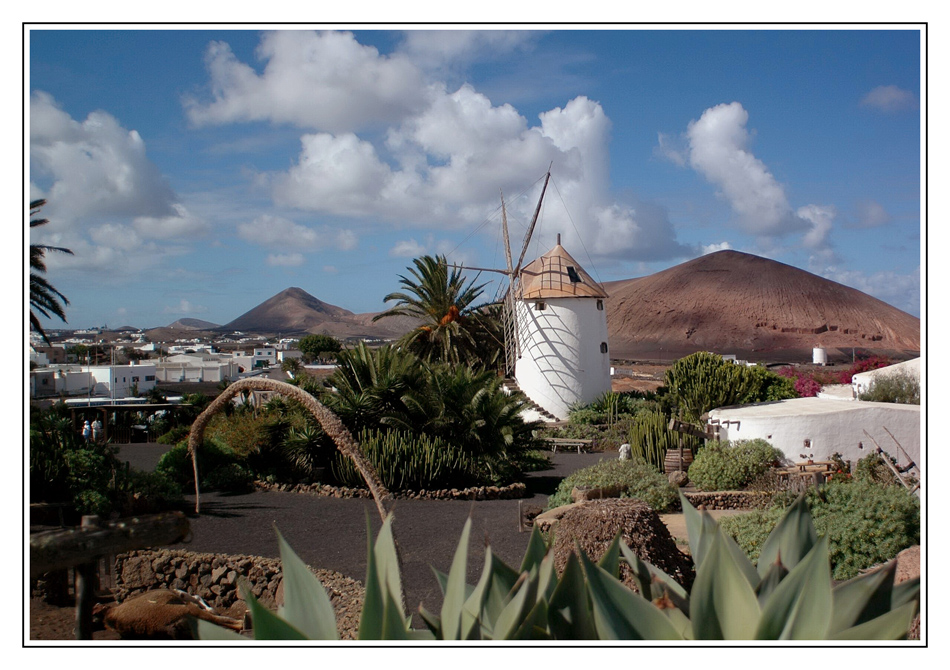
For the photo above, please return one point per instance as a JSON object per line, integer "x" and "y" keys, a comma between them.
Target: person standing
{"x": 96, "y": 429}
{"x": 86, "y": 431}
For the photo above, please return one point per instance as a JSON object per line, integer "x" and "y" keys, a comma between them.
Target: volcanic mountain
{"x": 295, "y": 312}
{"x": 730, "y": 302}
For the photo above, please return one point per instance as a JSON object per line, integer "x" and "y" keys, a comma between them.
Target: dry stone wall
{"x": 516, "y": 490}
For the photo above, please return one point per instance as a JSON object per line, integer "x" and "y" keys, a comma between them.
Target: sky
{"x": 195, "y": 173}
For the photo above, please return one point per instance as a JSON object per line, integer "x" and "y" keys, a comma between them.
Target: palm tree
{"x": 44, "y": 298}
{"x": 453, "y": 328}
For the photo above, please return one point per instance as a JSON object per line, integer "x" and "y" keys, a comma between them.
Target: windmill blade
{"x": 534, "y": 221}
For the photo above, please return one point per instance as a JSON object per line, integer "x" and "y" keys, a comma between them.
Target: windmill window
{"x": 539, "y": 306}
{"x": 603, "y": 347}
{"x": 572, "y": 273}
{"x": 600, "y": 305}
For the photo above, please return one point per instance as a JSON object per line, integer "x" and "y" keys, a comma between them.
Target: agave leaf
{"x": 533, "y": 626}
{"x": 547, "y": 579}
{"x": 503, "y": 580}
{"x": 906, "y": 592}
{"x": 610, "y": 561}
{"x": 891, "y": 626}
{"x": 267, "y": 625}
{"x": 306, "y": 604}
{"x": 433, "y": 622}
{"x": 722, "y": 602}
{"x": 652, "y": 581}
{"x": 394, "y": 622}
{"x": 475, "y": 606}
{"x": 212, "y": 631}
{"x": 569, "y": 612}
{"x": 620, "y": 614}
{"x": 800, "y": 606}
{"x": 371, "y": 615}
{"x": 521, "y": 603}
{"x": 535, "y": 552}
{"x": 740, "y": 557}
{"x": 863, "y": 598}
{"x": 387, "y": 562}
{"x": 680, "y": 622}
{"x": 770, "y": 581}
{"x": 791, "y": 539}
{"x": 701, "y": 529}
{"x": 455, "y": 591}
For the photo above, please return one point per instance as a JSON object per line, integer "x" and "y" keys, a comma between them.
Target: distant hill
{"x": 192, "y": 324}
{"x": 296, "y": 312}
{"x": 733, "y": 302}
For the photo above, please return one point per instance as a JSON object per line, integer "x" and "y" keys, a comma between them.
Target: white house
{"x": 862, "y": 381}
{"x": 816, "y": 428}
{"x": 120, "y": 381}
{"x": 197, "y": 368}
{"x": 562, "y": 334}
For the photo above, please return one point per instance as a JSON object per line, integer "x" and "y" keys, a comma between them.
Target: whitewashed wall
{"x": 561, "y": 359}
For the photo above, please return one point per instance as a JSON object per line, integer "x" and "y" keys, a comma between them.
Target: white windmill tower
{"x": 555, "y": 327}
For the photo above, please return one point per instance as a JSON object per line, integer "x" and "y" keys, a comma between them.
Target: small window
{"x": 603, "y": 347}
{"x": 572, "y": 273}
{"x": 540, "y": 306}
{"x": 600, "y": 305}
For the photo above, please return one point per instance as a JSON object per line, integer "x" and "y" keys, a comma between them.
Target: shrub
{"x": 899, "y": 387}
{"x": 176, "y": 464}
{"x": 865, "y": 524}
{"x": 405, "y": 462}
{"x": 640, "y": 479}
{"x": 729, "y": 466}
{"x": 175, "y": 435}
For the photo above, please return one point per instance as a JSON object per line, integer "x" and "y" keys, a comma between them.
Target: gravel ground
{"x": 330, "y": 533}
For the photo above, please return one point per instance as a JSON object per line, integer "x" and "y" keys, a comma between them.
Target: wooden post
{"x": 86, "y": 587}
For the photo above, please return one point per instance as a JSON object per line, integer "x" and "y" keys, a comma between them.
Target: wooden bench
{"x": 567, "y": 443}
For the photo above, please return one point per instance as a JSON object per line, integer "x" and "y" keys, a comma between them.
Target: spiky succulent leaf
{"x": 306, "y": 604}
{"x": 791, "y": 539}
{"x": 455, "y": 591}
{"x": 569, "y": 613}
{"x": 620, "y": 614}
{"x": 373, "y": 610}
{"x": 267, "y": 625}
{"x": 522, "y": 602}
{"x": 387, "y": 562}
{"x": 700, "y": 528}
{"x": 906, "y": 592}
{"x": 653, "y": 582}
{"x": 722, "y": 602}
{"x": 863, "y": 598}
{"x": 610, "y": 561}
{"x": 770, "y": 581}
{"x": 891, "y": 626}
{"x": 800, "y": 606}
{"x": 212, "y": 631}
{"x": 535, "y": 552}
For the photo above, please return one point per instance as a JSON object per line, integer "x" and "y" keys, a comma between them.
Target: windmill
{"x": 555, "y": 327}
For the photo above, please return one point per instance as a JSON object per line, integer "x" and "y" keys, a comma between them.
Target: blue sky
{"x": 196, "y": 173}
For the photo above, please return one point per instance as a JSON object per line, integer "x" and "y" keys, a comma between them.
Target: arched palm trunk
{"x": 329, "y": 421}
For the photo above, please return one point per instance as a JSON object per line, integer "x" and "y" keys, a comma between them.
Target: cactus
{"x": 787, "y": 596}
{"x": 650, "y": 438}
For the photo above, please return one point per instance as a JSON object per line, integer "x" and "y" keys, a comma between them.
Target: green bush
{"x": 176, "y": 464}
{"x": 405, "y": 462}
{"x": 865, "y": 524}
{"x": 730, "y": 466}
{"x": 642, "y": 482}
{"x": 175, "y": 435}
{"x": 899, "y": 387}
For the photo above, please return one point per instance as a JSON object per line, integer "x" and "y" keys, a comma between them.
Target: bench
{"x": 567, "y": 443}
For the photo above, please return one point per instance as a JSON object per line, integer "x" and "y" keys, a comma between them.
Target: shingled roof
{"x": 557, "y": 275}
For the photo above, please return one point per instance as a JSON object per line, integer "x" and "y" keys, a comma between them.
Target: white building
{"x": 197, "y": 368}
{"x": 120, "y": 381}
{"x": 816, "y": 428}
{"x": 563, "y": 356}
{"x": 862, "y": 381}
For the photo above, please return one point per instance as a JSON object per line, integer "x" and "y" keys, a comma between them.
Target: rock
{"x": 581, "y": 494}
{"x": 678, "y": 478}
{"x": 593, "y": 525}
{"x": 137, "y": 573}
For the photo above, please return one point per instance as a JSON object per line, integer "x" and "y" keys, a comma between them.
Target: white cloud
{"x": 889, "y": 99}
{"x": 718, "y": 144}
{"x": 442, "y": 160}
{"x": 320, "y": 80}
{"x": 871, "y": 214}
{"x": 407, "y": 249}
{"x": 821, "y": 219}
{"x": 671, "y": 148}
{"x": 185, "y": 307}
{"x": 277, "y": 232}
{"x": 106, "y": 200}
{"x": 285, "y": 260}
{"x": 712, "y": 248}
{"x": 439, "y": 49}
{"x": 900, "y": 290}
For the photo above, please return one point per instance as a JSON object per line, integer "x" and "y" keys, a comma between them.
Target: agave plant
{"x": 788, "y": 596}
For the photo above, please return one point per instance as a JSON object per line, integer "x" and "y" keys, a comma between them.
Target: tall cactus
{"x": 650, "y": 438}
{"x": 703, "y": 381}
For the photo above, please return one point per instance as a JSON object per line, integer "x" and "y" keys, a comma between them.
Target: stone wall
{"x": 214, "y": 578}
{"x": 516, "y": 490}
{"x": 728, "y": 499}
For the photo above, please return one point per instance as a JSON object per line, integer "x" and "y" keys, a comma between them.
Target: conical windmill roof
{"x": 557, "y": 275}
